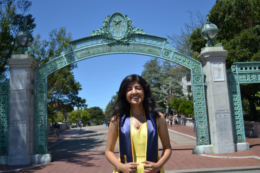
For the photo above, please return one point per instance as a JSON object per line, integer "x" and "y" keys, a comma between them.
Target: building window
{"x": 189, "y": 88}
{"x": 188, "y": 77}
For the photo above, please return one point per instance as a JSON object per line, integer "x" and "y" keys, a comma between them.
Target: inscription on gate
{"x": 222, "y": 117}
{"x": 119, "y": 48}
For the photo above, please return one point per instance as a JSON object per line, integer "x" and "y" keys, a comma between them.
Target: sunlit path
{"x": 84, "y": 151}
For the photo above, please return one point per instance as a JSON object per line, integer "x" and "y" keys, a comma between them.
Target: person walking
{"x": 170, "y": 120}
{"x": 56, "y": 127}
{"x": 80, "y": 124}
{"x": 137, "y": 124}
{"x": 108, "y": 121}
{"x": 175, "y": 121}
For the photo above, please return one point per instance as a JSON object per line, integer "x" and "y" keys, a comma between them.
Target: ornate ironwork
{"x": 240, "y": 73}
{"x": 4, "y": 114}
{"x": 200, "y": 114}
{"x": 117, "y": 28}
{"x": 105, "y": 42}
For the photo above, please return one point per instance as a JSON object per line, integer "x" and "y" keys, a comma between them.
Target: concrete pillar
{"x": 218, "y": 104}
{"x": 21, "y": 109}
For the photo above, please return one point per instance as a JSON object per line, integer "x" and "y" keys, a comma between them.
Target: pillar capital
{"x": 22, "y": 61}
{"x": 213, "y": 53}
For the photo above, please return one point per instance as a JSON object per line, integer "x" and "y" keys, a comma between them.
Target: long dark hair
{"x": 122, "y": 106}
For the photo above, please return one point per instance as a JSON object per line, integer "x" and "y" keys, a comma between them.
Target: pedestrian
{"x": 175, "y": 121}
{"x": 90, "y": 122}
{"x": 170, "y": 121}
{"x": 167, "y": 121}
{"x": 80, "y": 124}
{"x": 108, "y": 122}
{"x": 194, "y": 123}
{"x": 56, "y": 127}
{"x": 137, "y": 124}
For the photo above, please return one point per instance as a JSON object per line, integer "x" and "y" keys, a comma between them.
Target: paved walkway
{"x": 83, "y": 151}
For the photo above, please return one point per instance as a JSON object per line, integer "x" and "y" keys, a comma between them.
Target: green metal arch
{"x": 98, "y": 45}
{"x": 240, "y": 73}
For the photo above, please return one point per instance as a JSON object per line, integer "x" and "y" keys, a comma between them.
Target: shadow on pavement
{"x": 254, "y": 145}
{"x": 79, "y": 149}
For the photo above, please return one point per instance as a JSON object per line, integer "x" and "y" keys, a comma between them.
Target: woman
{"x": 176, "y": 121}
{"x": 171, "y": 120}
{"x": 137, "y": 123}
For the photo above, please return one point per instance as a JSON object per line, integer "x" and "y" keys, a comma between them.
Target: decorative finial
{"x": 208, "y": 21}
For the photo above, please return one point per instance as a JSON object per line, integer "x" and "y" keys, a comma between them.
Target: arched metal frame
{"x": 100, "y": 43}
{"x": 240, "y": 73}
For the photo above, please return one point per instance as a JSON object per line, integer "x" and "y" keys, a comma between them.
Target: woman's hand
{"x": 150, "y": 167}
{"x": 129, "y": 167}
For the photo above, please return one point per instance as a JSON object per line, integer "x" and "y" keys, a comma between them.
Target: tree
{"x": 110, "y": 105}
{"x": 175, "y": 104}
{"x": 182, "y": 42}
{"x": 186, "y": 107}
{"x": 182, "y": 106}
{"x": 96, "y": 113}
{"x": 80, "y": 103}
{"x": 153, "y": 75}
{"x": 10, "y": 23}
{"x": 60, "y": 117}
{"x": 171, "y": 79}
{"x": 62, "y": 87}
{"x": 163, "y": 79}
{"x": 74, "y": 116}
{"x": 239, "y": 32}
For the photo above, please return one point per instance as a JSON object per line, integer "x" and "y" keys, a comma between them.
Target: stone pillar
{"x": 220, "y": 121}
{"x": 21, "y": 109}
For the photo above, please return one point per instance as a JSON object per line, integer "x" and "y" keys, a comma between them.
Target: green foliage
{"x": 182, "y": 106}
{"x": 186, "y": 108}
{"x": 197, "y": 42}
{"x": 244, "y": 47}
{"x": 62, "y": 88}
{"x": 234, "y": 16}
{"x": 10, "y": 23}
{"x": 175, "y": 103}
{"x": 96, "y": 114}
{"x": 245, "y": 105}
{"x": 75, "y": 116}
{"x": 110, "y": 105}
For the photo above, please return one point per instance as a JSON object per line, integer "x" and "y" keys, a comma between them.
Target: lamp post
{"x": 209, "y": 32}
{"x": 24, "y": 39}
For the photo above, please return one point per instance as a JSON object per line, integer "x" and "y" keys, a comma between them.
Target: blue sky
{"x": 100, "y": 77}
